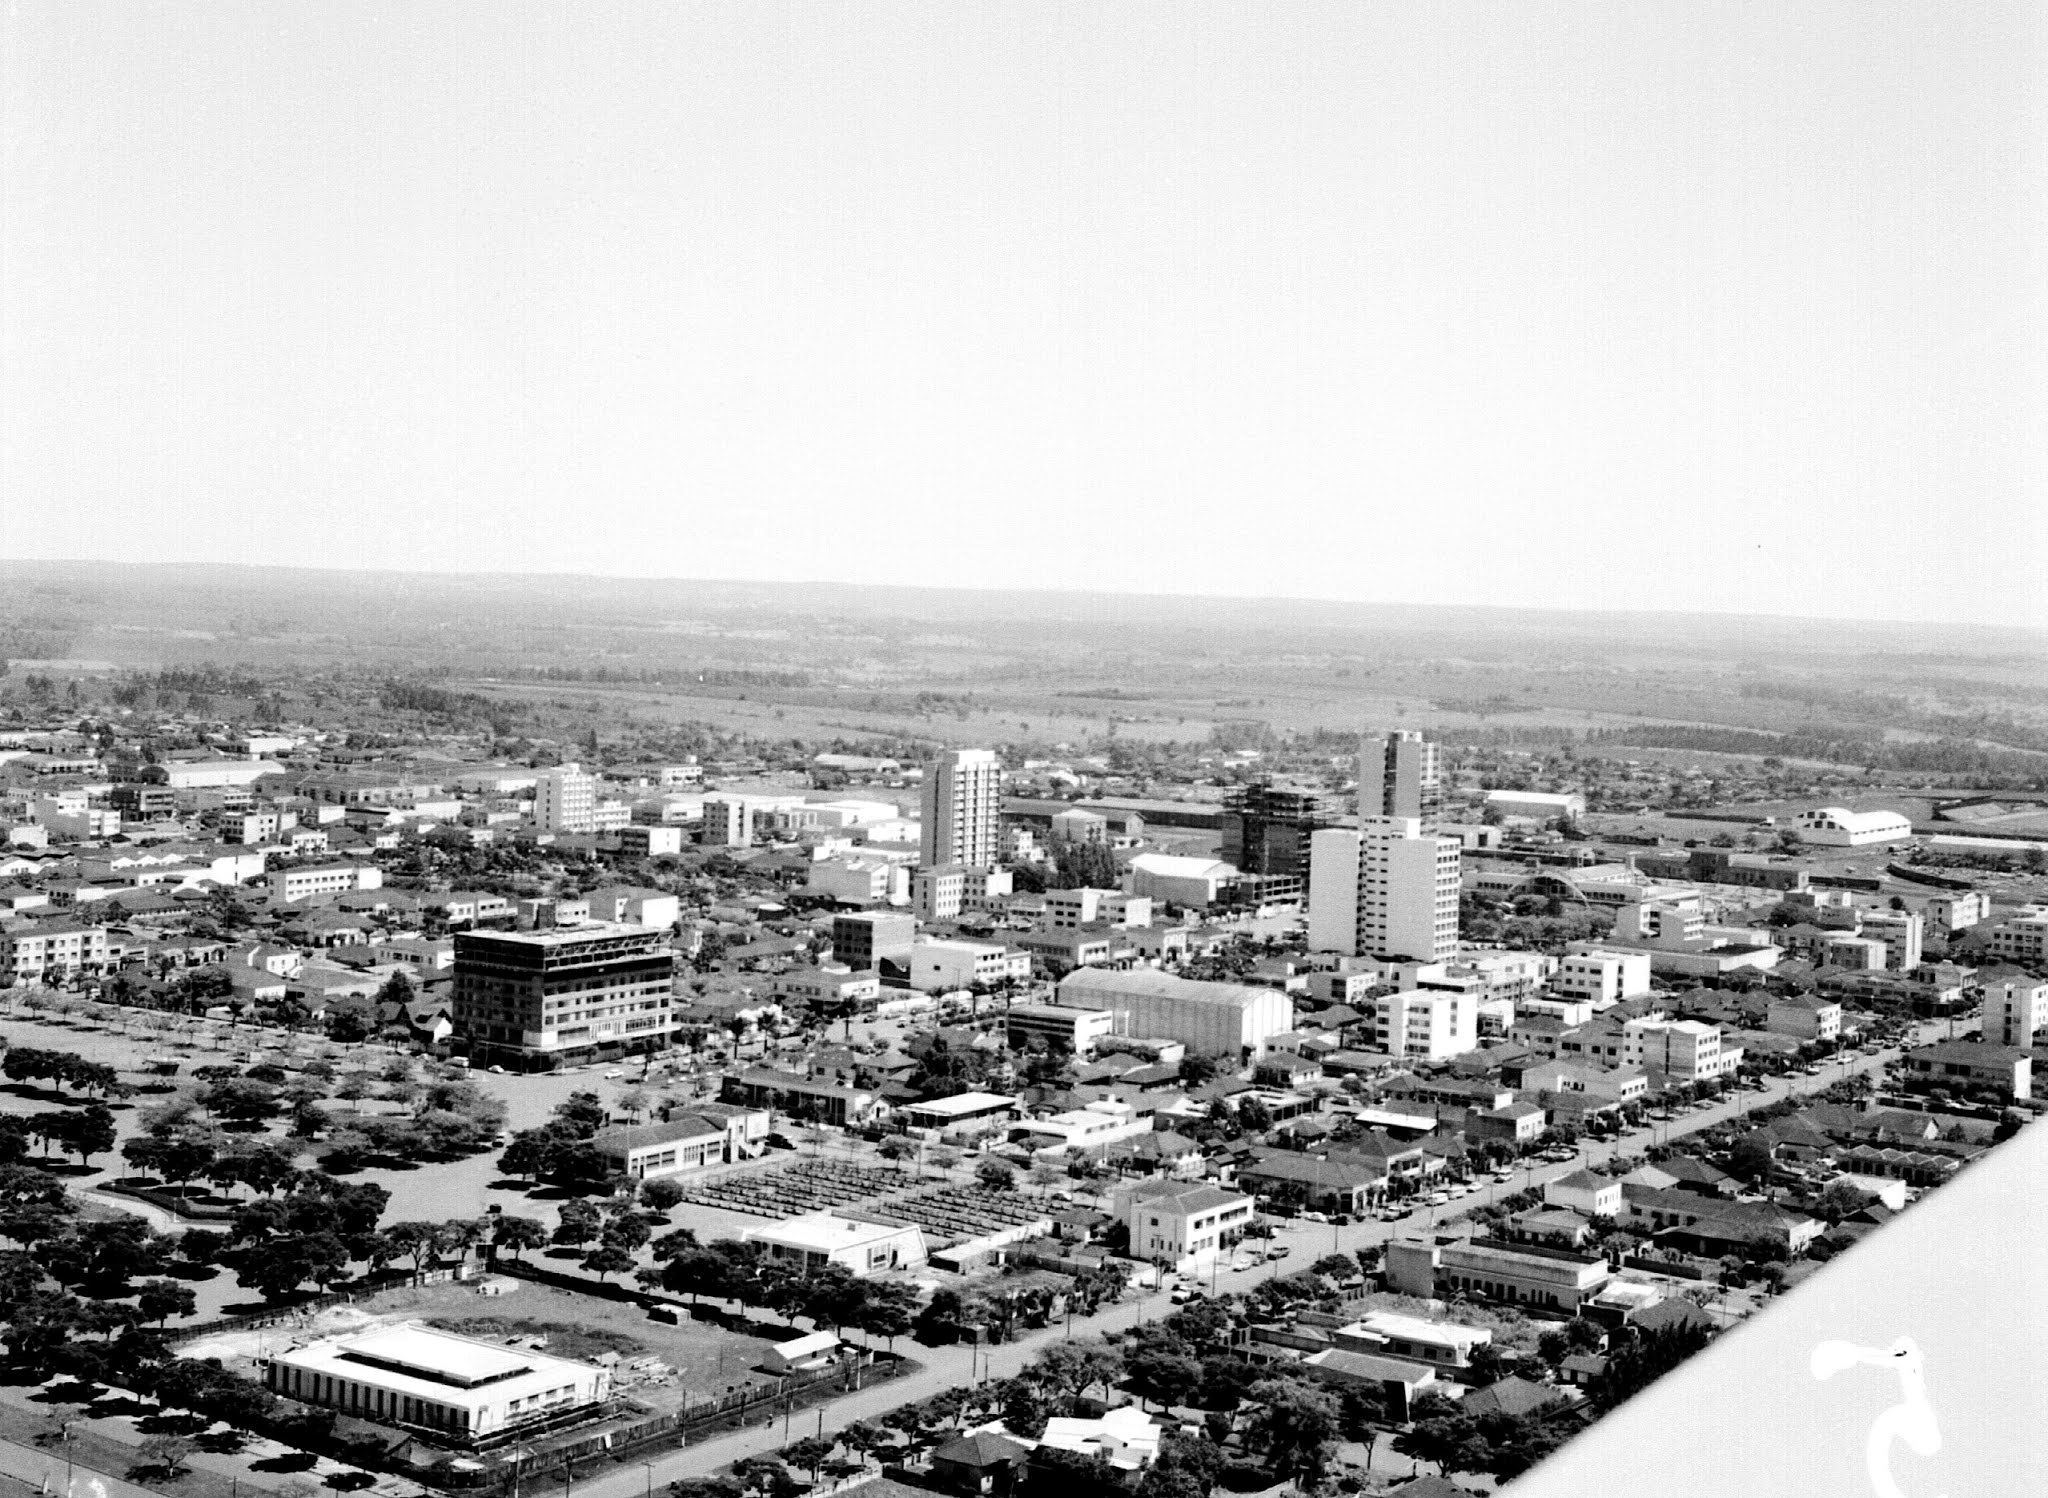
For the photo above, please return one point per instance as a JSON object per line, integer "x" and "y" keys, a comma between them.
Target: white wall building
{"x": 961, "y": 809}
{"x": 820, "y": 1238}
{"x": 1425, "y": 1024}
{"x": 419, "y": 1376}
{"x": 1838, "y": 827}
{"x": 1215, "y": 1019}
{"x": 1602, "y": 977}
{"x": 565, "y": 800}
{"x": 937, "y": 966}
{"x": 1386, "y": 889}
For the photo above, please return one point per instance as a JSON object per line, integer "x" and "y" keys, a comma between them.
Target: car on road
{"x": 1315, "y": 1217}
{"x": 499, "y": 1070}
{"x": 1182, "y": 1294}
{"x": 613, "y": 1075}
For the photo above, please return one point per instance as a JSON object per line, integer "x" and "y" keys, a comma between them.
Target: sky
{"x": 1728, "y": 307}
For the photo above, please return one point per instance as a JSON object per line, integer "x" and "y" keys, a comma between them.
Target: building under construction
{"x": 1266, "y": 829}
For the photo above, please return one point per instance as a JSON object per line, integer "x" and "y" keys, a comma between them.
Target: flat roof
{"x": 1415, "y": 1329}
{"x": 964, "y": 1103}
{"x": 823, "y": 1232}
{"x": 430, "y": 1364}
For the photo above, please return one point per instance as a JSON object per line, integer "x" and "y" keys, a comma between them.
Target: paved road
{"x": 32, "y": 1471}
{"x": 955, "y": 1367}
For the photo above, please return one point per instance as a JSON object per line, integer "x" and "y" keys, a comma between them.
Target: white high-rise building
{"x": 1386, "y": 889}
{"x": 961, "y": 820}
{"x": 565, "y": 800}
{"x": 1399, "y": 776}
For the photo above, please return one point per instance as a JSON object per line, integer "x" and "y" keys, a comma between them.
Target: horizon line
{"x": 969, "y": 590}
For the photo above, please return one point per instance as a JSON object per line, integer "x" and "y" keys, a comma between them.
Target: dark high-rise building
{"x": 1266, "y": 830}
{"x": 537, "y": 999}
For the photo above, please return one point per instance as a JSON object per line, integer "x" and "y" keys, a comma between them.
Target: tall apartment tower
{"x": 961, "y": 810}
{"x": 1387, "y": 889}
{"x": 1398, "y": 776}
{"x": 565, "y": 800}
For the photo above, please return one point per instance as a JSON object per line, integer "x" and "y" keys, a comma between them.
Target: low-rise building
{"x": 1583, "y": 1192}
{"x": 2006, "y": 1069}
{"x": 937, "y": 965}
{"x": 1170, "y": 1221}
{"x": 1838, "y": 827}
{"x": 1804, "y": 1017}
{"x": 965, "y": 1115}
{"x": 454, "y": 1387}
{"x": 816, "y": 1239}
{"x": 1063, "y": 1029}
{"x": 706, "y": 1135}
{"x": 288, "y": 885}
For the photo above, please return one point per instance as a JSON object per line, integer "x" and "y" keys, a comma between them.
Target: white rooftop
{"x": 1127, "y": 1436}
{"x": 822, "y": 1232}
{"x": 1415, "y": 1329}
{"x": 964, "y": 1103}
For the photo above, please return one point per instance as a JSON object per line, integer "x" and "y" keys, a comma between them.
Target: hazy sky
{"x": 1687, "y": 306}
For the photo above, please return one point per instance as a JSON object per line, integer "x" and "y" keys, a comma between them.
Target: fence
{"x": 280, "y": 1315}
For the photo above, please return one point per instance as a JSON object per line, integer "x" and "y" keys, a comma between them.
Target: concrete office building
{"x": 961, "y": 810}
{"x": 1387, "y": 889}
{"x": 1215, "y": 1019}
{"x": 2015, "y": 1006}
{"x": 1062, "y": 1028}
{"x": 1602, "y": 978}
{"x": 538, "y": 998}
{"x": 455, "y": 1387}
{"x": 866, "y": 940}
{"x": 1399, "y": 775}
{"x": 1426, "y": 1025}
{"x": 565, "y": 800}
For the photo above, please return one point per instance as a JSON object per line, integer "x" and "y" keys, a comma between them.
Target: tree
{"x": 1749, "y": 1159}
{"x": 1167, "y": 1373}
{"x": 698, "y": 1271}
{"x": 160, "y": 1300}
{"x": 580, "y": 1222}
{"x": 419, "y": 1240}
{"x": 1024, "y": 1412}
{"x": 1074, "y": 1367}
{"x": 1634, "y": 1366}
{"x": 889, "y": 1310}
{"x": 994, "y": 1175}
{"x": 662, "y": 1195}
{"x": 166, "y": 1454}
{"x": 88, "y": 1132}
{"x": 519, "y": 1234}
{"x": 608, "y": 1259}
{"x": 1295, "y": 1426}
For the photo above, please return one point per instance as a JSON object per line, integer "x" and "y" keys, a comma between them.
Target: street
{"x": 956, "y": 1367}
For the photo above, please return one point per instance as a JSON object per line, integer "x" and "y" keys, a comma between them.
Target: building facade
{"x": 547, "y": 997}
{"x": 1385, "y": 890}
{"x": 1400, "y": 774}
{"x": 961, "y": 809}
